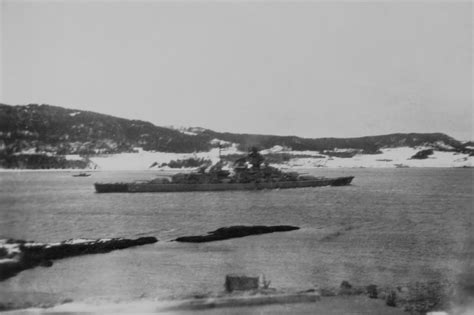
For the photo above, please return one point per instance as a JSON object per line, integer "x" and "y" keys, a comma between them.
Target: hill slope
{"x": 42, "y": 132}
{"x": 66, "y": 131}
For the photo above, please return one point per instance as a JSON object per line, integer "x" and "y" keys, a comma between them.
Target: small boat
{"x": 82, "y": 175}
{"x": 401, "y": 166}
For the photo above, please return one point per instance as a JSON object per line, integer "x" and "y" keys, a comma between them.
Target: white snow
{"x": 144, "y": 159}
{"x": 28, "y": 151}
{"x": 442, "y": 145}
{"x": 189, "y": 133}
{"x": 389, "y": 157}
{"x": 78, "y": 241}
{"x": 73, "y": 157}
{"x": 216, "y": 141}
{"x": 275, "y": 149}
{"x": 74, "y": 114}
{"x": 133, "y": 161}
{"x": 312, "y": 153}
{"x": 32, "y": 151}
{"x": 12, "y": 249}
{"x": 344, "y": 150}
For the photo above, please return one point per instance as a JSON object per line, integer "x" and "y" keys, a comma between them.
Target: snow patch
{"x": 73, "y": 157}
{"x": 190, "y": 131}
{"x": 442, "y": 145}
{"x": 11, "y": 249}
{"x": 389, "y": 157}
{"x": 78, "y": 241}
{"x": 275, "y": 149}
{"x": 344, "y": 150}
{"x": 29, "y": 151}
{"x": 143, "y": 160}
{"x": 74, "y": 114}
{"x": 32, "y": 151}
{"x": 220, "y": 142}
{"x": 311, "y": 153}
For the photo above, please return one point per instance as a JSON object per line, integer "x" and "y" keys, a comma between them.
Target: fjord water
{"x": 390, "y": 227}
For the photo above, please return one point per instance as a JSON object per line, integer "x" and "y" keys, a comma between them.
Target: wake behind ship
{"x": 249, "y": 173}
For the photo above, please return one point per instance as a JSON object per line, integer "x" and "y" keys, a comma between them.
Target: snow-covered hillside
{"x": 144, "y": 160}
{"x": 390, "y": 158}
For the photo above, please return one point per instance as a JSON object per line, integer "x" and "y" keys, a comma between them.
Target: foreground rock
{"x": 239, "y": 282}
{"x": 17, "y": 255}
{"x": 242, "y": 303}
{"x": 415, "y": 298}
{"x": 246, "y": 290}
{"x": 251, "y": 291}
{"x": 345, "y": 299}
{"x": 246, "y": 299}
{"x": 234, "y": 232}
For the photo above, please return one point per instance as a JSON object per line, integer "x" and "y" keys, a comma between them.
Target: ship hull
{"x": 150, "y": 187}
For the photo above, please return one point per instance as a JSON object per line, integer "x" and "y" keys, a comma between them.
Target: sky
{"x": 311, "y": 69}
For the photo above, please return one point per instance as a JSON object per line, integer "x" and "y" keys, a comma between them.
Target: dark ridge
{"x": 60, "y": 131}
{"x": 32, "y": 255}
{"x": 422, "y": 155}
{"x": 234, "y": 232}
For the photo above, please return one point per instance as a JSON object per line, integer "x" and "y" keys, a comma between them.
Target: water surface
{"x": 390, "y": 226}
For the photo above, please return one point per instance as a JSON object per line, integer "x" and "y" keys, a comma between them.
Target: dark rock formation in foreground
{"x": 234, "y": 232}
{"x": 17, "y": 255}
{"x": 414, "y": 297}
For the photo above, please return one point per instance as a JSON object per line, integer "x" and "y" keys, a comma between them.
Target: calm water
{"x": 390, "y": 226}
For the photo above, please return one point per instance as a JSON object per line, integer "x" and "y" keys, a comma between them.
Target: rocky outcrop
{"x": 234, "y": 232}
{"x": 423, "y": 154}
{"x": 415, "y": 298}
{"x": 419, "y": 297}
{"x": 242, "y": 291}
{"x": 235, "y": 282}
{"x": 17, "y": 255}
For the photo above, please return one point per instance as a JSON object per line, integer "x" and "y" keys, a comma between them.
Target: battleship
{"x": 249, "y": 173}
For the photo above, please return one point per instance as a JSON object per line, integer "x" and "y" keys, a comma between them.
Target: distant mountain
{"x": 52, "y": 130}
{"x": 58, "y": 130}
{"x": 368, "y": 145}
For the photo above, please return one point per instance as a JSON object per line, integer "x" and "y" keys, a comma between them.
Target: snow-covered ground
{"x": 144, "y": 159}
{"x": 390, "y": 157}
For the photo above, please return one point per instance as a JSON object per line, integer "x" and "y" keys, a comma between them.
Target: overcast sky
{"x": 311, "y": 69}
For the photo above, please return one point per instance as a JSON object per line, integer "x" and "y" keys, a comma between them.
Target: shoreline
{"x": 343, "y": 300}
{"x": 398, "y": 157}
{"x": 170, "y": 170}
{"x": 325, "y": 300}
{"x": 323, "y": 305}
